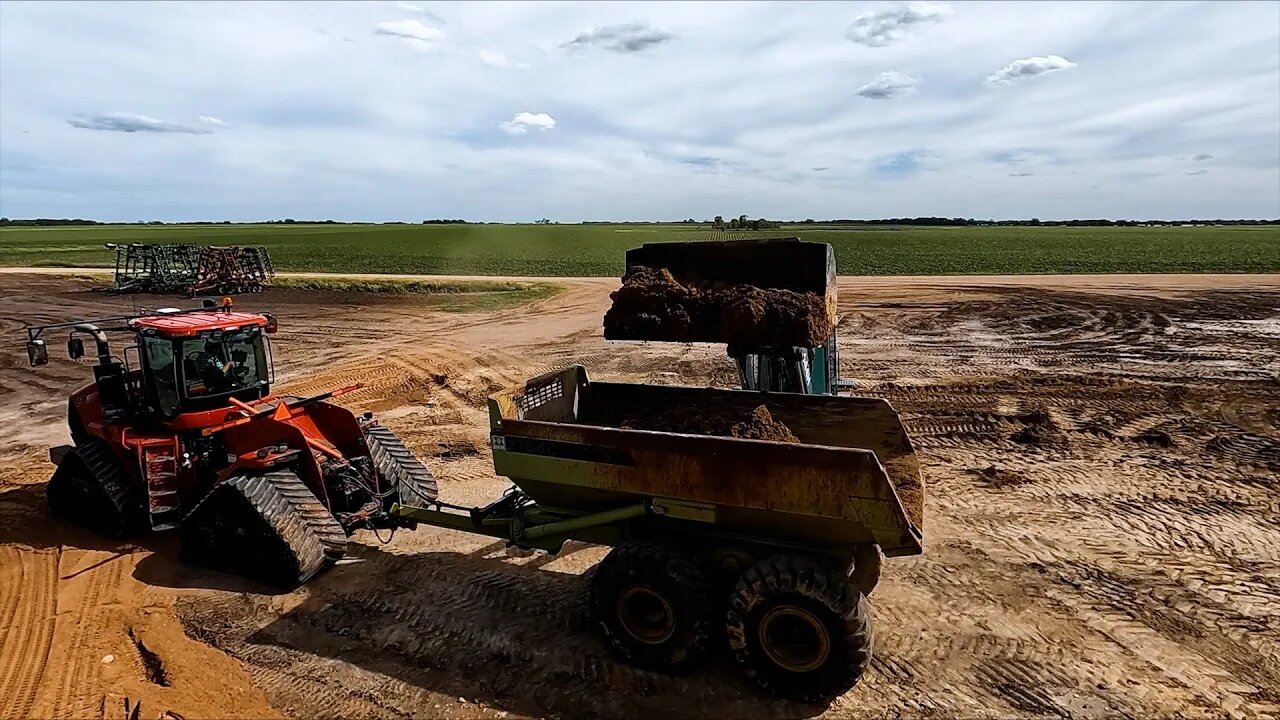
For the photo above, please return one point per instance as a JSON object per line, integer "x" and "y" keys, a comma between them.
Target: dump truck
{"x": 770, "y": 301}
{"x": 180, "y": 431}
{"x": 771, "y": 546}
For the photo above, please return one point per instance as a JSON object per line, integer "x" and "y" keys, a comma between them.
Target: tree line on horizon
{"x": 719, "y": 223}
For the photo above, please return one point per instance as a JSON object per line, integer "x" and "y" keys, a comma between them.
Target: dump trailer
{"x": 774, "y": 545}
{"x": 770, "y": 301}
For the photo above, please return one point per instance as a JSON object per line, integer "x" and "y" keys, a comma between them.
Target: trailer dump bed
{"x": 851, "y": 479}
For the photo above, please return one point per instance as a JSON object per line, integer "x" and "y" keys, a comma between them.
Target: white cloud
{"x": 712, "y": 119}
{"x": 523, "y": 122}
{"x": 495, "y": 59}
{"x": 624, "y": 38}
{"x": 889, "y": 85}
{"x": 416, "y": 33}
{"x": 879, "y": 28}
{"x": 129, "y": 122}
{"x": 418, "y": 9}
{"x": 212, "y": 121}
{"x": 1020, "y": 70}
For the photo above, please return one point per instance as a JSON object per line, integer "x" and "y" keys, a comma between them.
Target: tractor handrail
{"x": 35, "y": 331}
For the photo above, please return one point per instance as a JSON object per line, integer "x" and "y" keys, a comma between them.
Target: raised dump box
{"x": 752, "y": 295}
{"x": 775, "y": 544}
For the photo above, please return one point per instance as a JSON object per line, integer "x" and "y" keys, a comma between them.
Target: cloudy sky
{"x": 633, "y": 111}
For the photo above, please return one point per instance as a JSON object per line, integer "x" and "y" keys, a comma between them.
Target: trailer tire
{"x": 654, "y": 605}
{"x": 800, "y": 628}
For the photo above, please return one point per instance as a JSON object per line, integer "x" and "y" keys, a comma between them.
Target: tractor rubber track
{"x": 268, "y": 527}
{"x": 396, "y": 464}
{"x": 126, "y": 514}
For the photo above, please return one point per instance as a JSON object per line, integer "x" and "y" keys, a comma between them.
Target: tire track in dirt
{"x": 30, "y": 589}
{"x": 81, "y": 627}
{"x": 1088, "y": 573}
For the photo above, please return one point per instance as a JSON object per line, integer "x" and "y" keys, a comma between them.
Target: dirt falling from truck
{"x": 653, "y": 305}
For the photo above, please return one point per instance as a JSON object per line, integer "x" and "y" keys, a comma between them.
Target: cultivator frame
{"x": 190, "y": 269}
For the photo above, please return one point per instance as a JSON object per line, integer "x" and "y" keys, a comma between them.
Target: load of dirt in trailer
{"x": 755, "y": 424}
{"x": 759, "y": 424}
{"x": 653, "y": 305}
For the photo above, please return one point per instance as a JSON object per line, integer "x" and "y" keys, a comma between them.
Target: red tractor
{"x": 189, "y": 436}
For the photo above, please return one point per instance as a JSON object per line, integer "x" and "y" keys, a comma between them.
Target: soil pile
{"x": 653, "y": 305}
{"x": 904, "y": 471}
{"x": 757, "y": 424}
{"x": 1038, "y": 428}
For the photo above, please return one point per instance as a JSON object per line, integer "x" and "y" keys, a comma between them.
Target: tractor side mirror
{"x": 37, "y": 353}
{"x": 75, "y": 348}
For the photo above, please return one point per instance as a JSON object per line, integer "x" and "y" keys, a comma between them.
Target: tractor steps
{"x": 159, "y": 461}
{"x": 268, "y": 527}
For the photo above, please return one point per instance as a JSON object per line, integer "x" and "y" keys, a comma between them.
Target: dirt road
{"x": 1103, "y": 458}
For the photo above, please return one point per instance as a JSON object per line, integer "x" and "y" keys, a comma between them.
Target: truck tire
{"x": 409, "y": 480}
{"x": 800, "y": 628}
{"x": 654, "y": 605}
{"x": 91, "y": 489}
{"x": 267, "y": 527}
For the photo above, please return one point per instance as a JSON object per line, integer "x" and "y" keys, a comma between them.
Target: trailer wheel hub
{"x": 646, "y": 615}
{"x": 794, "y": 638}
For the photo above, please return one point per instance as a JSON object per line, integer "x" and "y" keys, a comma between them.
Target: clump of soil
{"x": 455, "y": 449}
{"x": 757, "y": 424}
{"x": 1154, "y": 437}
{"x": 1038, "y": 429}
{"x": 653, "y": 305}
{"x": 998, "y": 477}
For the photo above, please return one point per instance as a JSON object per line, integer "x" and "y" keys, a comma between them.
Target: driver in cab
{"x": 216, "y": 372}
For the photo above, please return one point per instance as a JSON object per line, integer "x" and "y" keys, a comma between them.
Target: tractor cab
{"x": 199, "y": 361}
{"x": 181, "y": 361}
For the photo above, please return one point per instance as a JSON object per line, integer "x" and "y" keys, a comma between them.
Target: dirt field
{"x": 1103, "y": 524}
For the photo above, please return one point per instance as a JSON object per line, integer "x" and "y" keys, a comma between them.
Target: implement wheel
{"x": 800, "y": 628}
{"x": 653, "y": 603}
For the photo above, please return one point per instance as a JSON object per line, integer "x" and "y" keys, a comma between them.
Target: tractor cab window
{"x": 222, "y": 363}
{"x": 162, "y": 373}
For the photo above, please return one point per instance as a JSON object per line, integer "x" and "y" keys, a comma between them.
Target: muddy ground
{"x": 1103, "y": 523}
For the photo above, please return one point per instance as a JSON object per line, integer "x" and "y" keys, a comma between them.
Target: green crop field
{"x": 597, "y": 250}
